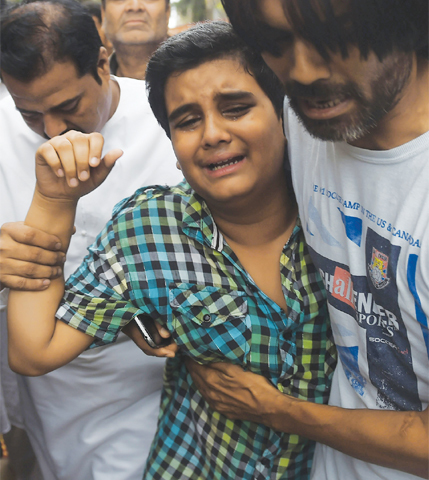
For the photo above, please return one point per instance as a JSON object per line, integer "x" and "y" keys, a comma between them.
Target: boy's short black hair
{"x": 202, "y": 43}
{"x": 381, "y": 26}
{"x": 35, "y": 35}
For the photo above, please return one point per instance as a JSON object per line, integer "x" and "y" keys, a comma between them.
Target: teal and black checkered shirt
{"x": 162, "y": 255}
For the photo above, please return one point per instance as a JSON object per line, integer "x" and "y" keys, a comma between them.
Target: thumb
{"x": 99, "y": 173}
{"x": 110, "y": 158}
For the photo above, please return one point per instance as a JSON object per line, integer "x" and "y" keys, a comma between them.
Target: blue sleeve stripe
{"x": 421, "y": 317}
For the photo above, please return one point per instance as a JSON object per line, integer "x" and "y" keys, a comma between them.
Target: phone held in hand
{"x": 150, "y": 333}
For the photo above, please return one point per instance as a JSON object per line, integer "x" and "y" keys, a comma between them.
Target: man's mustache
{"x": 321, "y": 90}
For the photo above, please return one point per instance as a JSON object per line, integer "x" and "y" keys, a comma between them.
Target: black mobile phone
{"x": 150, "y": 333}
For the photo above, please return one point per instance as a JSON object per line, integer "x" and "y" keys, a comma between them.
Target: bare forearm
{"x": 397, "y": 440}
{"x": 34, "y": 347}
{"x": 54, "y": 217}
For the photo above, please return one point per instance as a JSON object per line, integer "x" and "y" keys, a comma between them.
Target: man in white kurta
{"x": 94, "y": 418}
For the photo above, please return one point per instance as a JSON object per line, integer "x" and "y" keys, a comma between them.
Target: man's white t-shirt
{"x": 365, "y": 215}
{"x": 94, "y": 418}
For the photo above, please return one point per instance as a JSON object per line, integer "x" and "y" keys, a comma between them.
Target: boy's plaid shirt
{"x": 162, "y": 255}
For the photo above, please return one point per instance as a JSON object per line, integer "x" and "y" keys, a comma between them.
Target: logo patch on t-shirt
{"x": 377, "y": 269}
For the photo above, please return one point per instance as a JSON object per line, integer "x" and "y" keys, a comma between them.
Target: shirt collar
{"x": 198, "y": 223}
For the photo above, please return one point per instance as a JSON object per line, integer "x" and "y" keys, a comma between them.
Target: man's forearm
{"x": 397, "y": 440}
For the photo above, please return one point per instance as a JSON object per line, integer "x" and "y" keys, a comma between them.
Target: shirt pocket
{"x": 210, "y": 324}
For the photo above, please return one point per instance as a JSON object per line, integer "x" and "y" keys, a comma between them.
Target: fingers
{"x": 86, "y": 149}
{"x": 237, "y": 396}
{"x": 28, "y": 257}
{"x": 21, "y": 233}
{"x": 132, "y": 331}
{"x": 221, "y": 371}
{"x": 210, "y": 385}
{"x": 22, "y": 283}
{"x": 104, "y": 167}
{"x": 16, "y": 267}
{"x": 72, "y": 154}
{"x": 168, "y": 351}
{"x": 204, "y": 376}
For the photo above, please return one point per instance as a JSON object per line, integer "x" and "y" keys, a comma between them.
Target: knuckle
{"x": 42, "y": 257}
{"x": 63, "y": 142}
{"x": 54, "y": 272}
{"x": 20, "y": 283}
{"x": 28, "y": 235}
{"x": 96, "y": 136}
{"x": 45, "y": 148}
{"x": 5, "y": 227}
{"x": 73, "y": 135}
{"x": 36, "y": 255}
{"x": 31, "y": 270}
{"x": 96, "y": 141}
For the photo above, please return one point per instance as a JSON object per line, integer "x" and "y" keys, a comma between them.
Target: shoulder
{"x": 133, "y": 106}
{"x": 18, "y": 142}
{"x": 130, "y": 87}
{"x": 150, "y": 209}
{"x": 10, "y": 118}
{"x": 154, "y": 200}
{"x": 11, "y": 121}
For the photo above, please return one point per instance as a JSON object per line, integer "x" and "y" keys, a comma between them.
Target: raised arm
{"x": 398, "y": 440}
{"x": 67, "y": 167}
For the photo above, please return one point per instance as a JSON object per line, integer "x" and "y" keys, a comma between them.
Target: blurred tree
{"x": 198, "y": 10}
{"x": 195, "y": 10}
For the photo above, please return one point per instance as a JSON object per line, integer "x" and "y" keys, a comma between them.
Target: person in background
{"x": 356, "y": 75}
{"x": 135, "y": 28}
{"x": 94, "y": 9}
{"x": 81, "y": 426}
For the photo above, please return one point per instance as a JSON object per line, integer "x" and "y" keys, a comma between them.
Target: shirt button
{"x": 206, "y": 318}
{"x": 83, "y": 233}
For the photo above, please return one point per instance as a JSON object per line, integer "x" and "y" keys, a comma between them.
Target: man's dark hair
{"x": 202, "y": 43}
{"x": 167, "y": 3}
{"x": 35, "y": 35}
{"x": 381, "y": 26}
{"x": 93, "y": 8}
